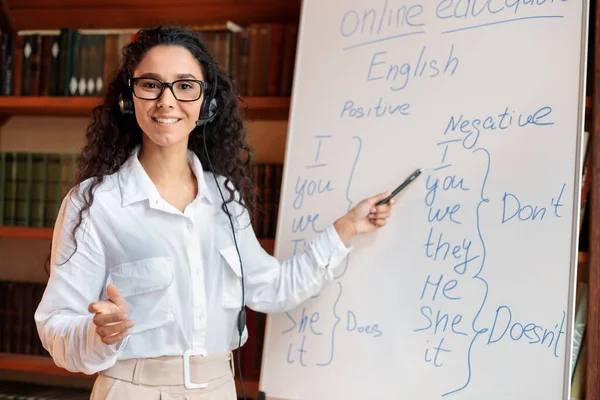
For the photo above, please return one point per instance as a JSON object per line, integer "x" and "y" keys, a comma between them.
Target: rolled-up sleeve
{"x": 77, "y": 278}
{"x": 273, "y": 286}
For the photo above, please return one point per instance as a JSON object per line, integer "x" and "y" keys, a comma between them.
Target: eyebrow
{"x": 157, "y": 76}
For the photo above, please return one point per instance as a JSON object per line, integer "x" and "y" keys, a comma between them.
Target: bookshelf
{"x": 107, "y": 15}
{"x": 258, "y": 108}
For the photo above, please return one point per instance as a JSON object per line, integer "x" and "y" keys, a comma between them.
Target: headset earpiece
{"x": 207, "y": 113}
{"x": 209, "y": 108}
{"x": 125, "y": 104}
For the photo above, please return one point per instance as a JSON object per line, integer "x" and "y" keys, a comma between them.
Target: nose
{"x": 167, "y": 99}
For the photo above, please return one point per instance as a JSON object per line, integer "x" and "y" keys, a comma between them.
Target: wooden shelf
{"x": 24, "y": 232}
{"x": 36, "y": 365}
{"x": 120, "y": 14}
{"x": 267, "y": 108}
{"x": 45, "y": 365}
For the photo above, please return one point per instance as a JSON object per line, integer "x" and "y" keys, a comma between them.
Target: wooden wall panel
{"x": 592, "y": 387}
{"x": 114, "y": 14}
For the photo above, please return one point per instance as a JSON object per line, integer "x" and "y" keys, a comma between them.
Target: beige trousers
{"x": 162, "y": 378}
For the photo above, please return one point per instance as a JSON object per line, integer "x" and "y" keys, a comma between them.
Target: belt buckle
{"x": 186, "y": 369}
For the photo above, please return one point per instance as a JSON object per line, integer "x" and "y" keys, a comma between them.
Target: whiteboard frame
{"x": 575, "y": 231}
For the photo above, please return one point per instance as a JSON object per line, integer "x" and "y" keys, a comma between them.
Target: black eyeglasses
{"x": 182, "y": 89}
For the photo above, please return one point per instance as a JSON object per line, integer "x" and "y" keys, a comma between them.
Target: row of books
{"x": 18, "y": 332}
{"x": 267, "y": 178}
{"x": 71, "y": 62}
{"x": 32, "y": 186}
{"x": 29, "y": 391}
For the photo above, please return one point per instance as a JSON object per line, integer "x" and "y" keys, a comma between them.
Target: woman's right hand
{"x": 111, "y": 317}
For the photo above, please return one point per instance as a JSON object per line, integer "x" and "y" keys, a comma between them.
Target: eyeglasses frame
{"x": 164, "y": 85}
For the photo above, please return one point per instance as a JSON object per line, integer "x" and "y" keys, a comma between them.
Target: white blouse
{"x": 179, "y": 272}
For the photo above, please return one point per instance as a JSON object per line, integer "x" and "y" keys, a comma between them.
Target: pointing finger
{"x": 115, "y": 296}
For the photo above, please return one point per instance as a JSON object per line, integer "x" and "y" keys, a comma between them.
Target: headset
{"x": 208, "y": 113}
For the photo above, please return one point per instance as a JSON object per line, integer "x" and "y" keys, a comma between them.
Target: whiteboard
{"x": 468, "y": 292}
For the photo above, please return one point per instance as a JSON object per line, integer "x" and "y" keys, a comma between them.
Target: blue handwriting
{"x": 399, "y": 76}
{"x": 352, "y": 326}
{"x": 472, "y": 128}
{"x": 529, "y": 332}
{"x": 440, "y": 323}
{"x": 310, "y": 188}
{"x": 381, "y": 24}
{"x": 381, "y": 109}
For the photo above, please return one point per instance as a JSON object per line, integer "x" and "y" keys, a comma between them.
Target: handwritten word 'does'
{"x": 353, "y": 326}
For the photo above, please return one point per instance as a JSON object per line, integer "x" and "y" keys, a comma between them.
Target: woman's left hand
{"x": 365, "y": 217}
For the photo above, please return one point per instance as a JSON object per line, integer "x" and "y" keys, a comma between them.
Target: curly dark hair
{"x": 112, "y": 136}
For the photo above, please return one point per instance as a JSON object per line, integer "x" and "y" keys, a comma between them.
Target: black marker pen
{"x": 404, "y": 184}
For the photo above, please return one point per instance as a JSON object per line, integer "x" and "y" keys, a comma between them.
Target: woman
{"x": 147, "y": 278}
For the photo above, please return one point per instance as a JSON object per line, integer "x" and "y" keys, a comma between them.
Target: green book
{"x": 53, "y": 197}
{"x": 23, "y": 197}
{"x": 3, "y": 170}
{"x": 38, "y": 189}
{"x": 10, "y": 194}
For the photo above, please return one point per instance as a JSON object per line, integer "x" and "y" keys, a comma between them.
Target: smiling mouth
{"x": 166, "y": 120}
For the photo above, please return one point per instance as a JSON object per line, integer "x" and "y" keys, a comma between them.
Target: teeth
{"x": 166, "y": 120}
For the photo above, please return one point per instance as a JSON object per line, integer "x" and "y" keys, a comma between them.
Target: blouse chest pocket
{"x": 232, "y": 278}
{"x": 146, "y": 286}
